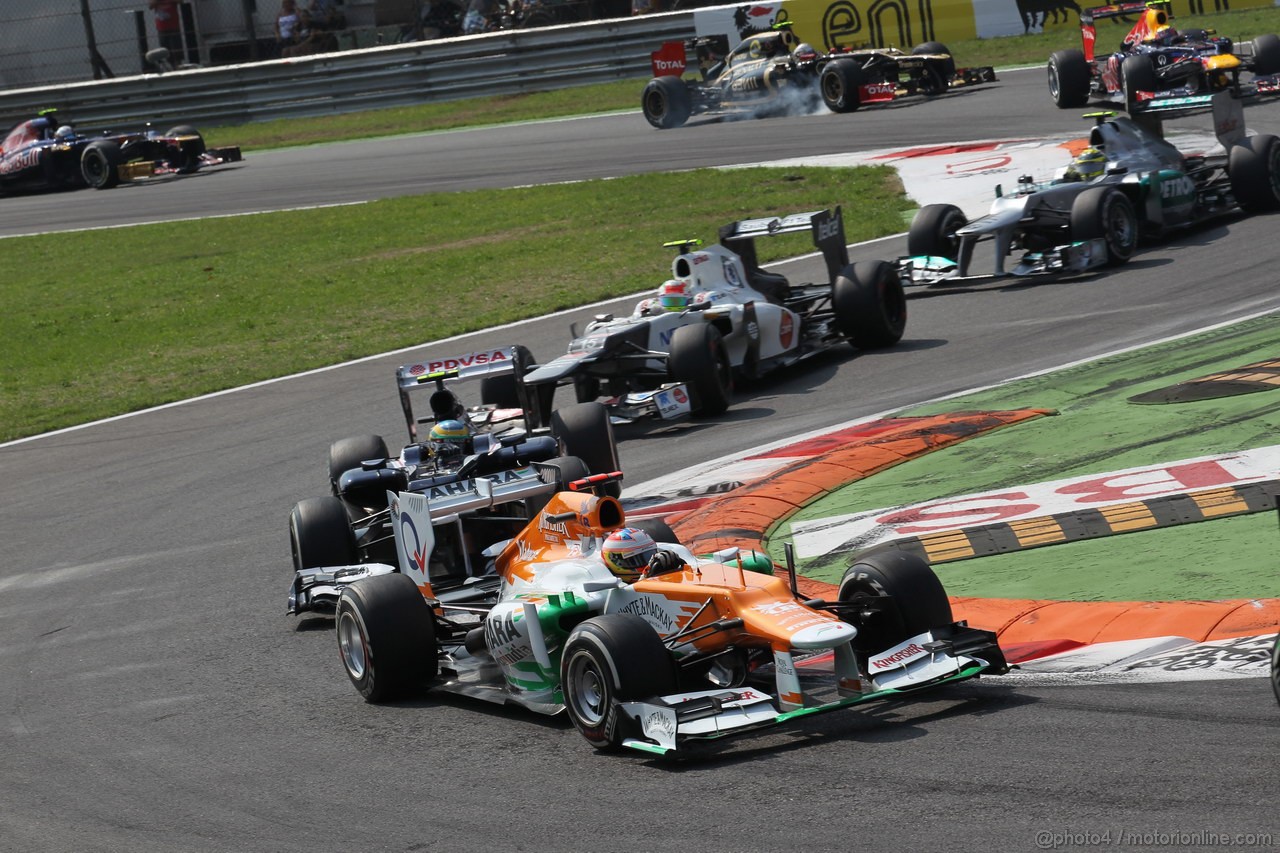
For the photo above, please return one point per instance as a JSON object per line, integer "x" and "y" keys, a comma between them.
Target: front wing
{"x": 666, "y": 724}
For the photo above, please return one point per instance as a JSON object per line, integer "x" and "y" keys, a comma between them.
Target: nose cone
{"x": 1222, "y": 62}
{"x": 825, "y": 636}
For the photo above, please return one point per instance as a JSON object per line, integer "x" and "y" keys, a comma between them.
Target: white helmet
{"x": 64, "y": 132}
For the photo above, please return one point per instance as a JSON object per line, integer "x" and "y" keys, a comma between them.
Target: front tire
{"x": 916, "y": 601}
{"x": 698, "y": 359}
{"x": 347, "y": 453}
{"x": 1266, "y": 54}
{"x": 1137, "y": 74}
{"x": 191, "y": 150}
{"x": 99, "y": 164}
{"x": 947, "y": 67}
{"x": 933, "y": 231}
{"x": 666, "y": 102}
{"x": 585, "y": 431}
{"x": 841, "y": 85}
{"x": 870, "y": 305}
{"x": 1254, "y": 169}
{"x": 1106, "y": 212}
{"x": 320, "y": 534}
{"x": 386, "y": 637}
{"x": 1069, "y": 79}
{"x": 607, "y": 660}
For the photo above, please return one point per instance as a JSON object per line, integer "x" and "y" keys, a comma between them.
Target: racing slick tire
{"x": 666, "y": 102}
{"x": 563, "y": 470}
{"x": 1254, "y": 169}
{"x": 1069, "y": 79}
{"x": 320, "y": 534}
{"x": 947, "y": 67}
{"x": 386, "y": 637}
{"x": 1106, "y": 212}
{"x": 1137, "y": 74}
{"x": 1266, "y": 54}
{"x": 869, "y": 304}
{"x": 841, "y": 85}
{"x": 656, "y": 528}
{"x": 610, "y": 659}
{"x": 698, "y": 359}
{"x": 916, "y": 600}
{"x": 99, "y": 162}
{"x": 188, "y": 159}
{"x": 933, "y": 231}
{"x": 348, "y": 453}
{"x": 585, "y": 431}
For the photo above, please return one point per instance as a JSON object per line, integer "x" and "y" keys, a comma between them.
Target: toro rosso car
{"x": 742, "y": 321}
{"x": 691, "y": 651}
{"x": 1069, "y": 226}
{"x": 493, "y": 442}
{"x": 40, "y": 154}
{"x": 1158, "y": 69}
{"x": 770, "y": 73}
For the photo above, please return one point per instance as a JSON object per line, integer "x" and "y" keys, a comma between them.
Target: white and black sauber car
{"x": 743, "y": 322}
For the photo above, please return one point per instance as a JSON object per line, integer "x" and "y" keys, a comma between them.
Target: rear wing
{"x": 1088, "y": 17}
{"x": 827, "y": 227}
{"x": 432, "y": 375}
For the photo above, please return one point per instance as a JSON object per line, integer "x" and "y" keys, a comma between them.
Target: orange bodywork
{"x": 700, "y": 594}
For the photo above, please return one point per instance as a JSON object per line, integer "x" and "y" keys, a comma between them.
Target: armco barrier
{"x": 501, "y": 63}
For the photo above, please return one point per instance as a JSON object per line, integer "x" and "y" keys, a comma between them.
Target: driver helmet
{"x": 445, "y": 405}
{"x": 447, "y": 440}
{"x": 675, "y": 294}
{"x": 64, "y": 132}
{"x": 1089, "y": 164}
{"x": 804, "y": 52}
{"x": 627, "y": 551}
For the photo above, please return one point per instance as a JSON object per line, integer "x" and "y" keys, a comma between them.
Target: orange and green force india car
{"x": 696, "y": 650}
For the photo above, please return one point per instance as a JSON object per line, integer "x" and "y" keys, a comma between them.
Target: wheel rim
{"x": 587, "y": 693}
{"x": 1120, "y": 227}
{"x": 1055, "y": 88}
{"x": 724, "y": 375}
{"x": 833, "y": 87}
{"x": 93, "y": 166}
{"x": 352, "y": 646}
{"x": 655, "y": 105}
{"x": 1273, "y": 170}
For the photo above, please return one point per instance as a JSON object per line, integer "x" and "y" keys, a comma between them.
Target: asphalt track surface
{"x": 155, "y": 696}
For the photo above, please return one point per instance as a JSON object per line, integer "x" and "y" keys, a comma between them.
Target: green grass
{"x": 1004, "y": 52}
{"x": 104, "y": 322}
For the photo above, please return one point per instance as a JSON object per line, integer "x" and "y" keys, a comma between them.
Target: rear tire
{"x": 1254, "y": 168}
{"x": 320, "y": 534}
{"x": 348, "y": 453}
{"x": 386, "y": 637}
{"x": 1106, "y": 212}
{"x": 933, "y": 231}
{"x": 917, "y": 602}
{"x": 870, "y": 305}
{"x": 610, "y": 659}
{"x": 698, "y": 359}
{"x": 666, "y": 102}
{"x": 1069, "y": 79}
{"x": 841, "y": 85}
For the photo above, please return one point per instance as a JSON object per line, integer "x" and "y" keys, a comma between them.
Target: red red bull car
{"x": 43, "y": 154}
{"x": 1156, "y": 68}
{"x": 771, "y": 73}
